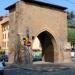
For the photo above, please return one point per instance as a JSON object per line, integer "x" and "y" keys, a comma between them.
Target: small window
{"x": 5, "y": 36}
{"x": 4, "y": 44}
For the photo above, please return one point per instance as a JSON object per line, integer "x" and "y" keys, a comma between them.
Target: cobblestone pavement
{"x": 41, "y": 69}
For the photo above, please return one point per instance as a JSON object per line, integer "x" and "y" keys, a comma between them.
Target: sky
{"x": 70, "y": 4}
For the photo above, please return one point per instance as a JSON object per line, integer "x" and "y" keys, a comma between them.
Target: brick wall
{"x": 38, "y": 19}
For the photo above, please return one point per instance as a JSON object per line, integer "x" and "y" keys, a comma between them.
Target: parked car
{"x": 73, "y": 52}
{"x": 37, "y": 55}
{"x": 4, "y": 57}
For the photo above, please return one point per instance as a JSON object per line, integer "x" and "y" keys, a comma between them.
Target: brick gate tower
{"x": 46, "y": 21}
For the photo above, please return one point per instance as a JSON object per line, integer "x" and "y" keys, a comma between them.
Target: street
{"x": 17, "y": 71}
{"x": 53, "y": 70}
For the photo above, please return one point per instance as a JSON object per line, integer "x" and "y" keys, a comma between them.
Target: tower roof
{"x": 38, "y": 3}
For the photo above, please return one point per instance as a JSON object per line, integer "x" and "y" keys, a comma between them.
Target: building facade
{"x": 5, "y": 31}
{"x": 1, "y": 18}
{"x": 46, "y": 21}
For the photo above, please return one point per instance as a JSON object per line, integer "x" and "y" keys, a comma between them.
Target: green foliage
{"x": 70, "y": 15}
{"x": 71, "y": 18}
{"x": 71, "y": 35}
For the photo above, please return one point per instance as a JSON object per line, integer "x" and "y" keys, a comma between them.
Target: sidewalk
{"x": 41, "y": 63}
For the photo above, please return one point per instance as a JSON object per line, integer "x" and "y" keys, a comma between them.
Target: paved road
{"x": 18, "y": 71}
{"x": 22, "y": 71}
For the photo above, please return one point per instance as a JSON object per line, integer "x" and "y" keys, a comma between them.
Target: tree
{"x": 71, "y": 35}
{"x": 71, "y": 19}
{"x": 71, "y": 25}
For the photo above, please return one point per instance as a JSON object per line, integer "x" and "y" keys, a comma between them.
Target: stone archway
{"x": 48, "y": 46}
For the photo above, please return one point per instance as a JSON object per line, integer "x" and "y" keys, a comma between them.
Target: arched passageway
{"x": 47, "y": 44}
